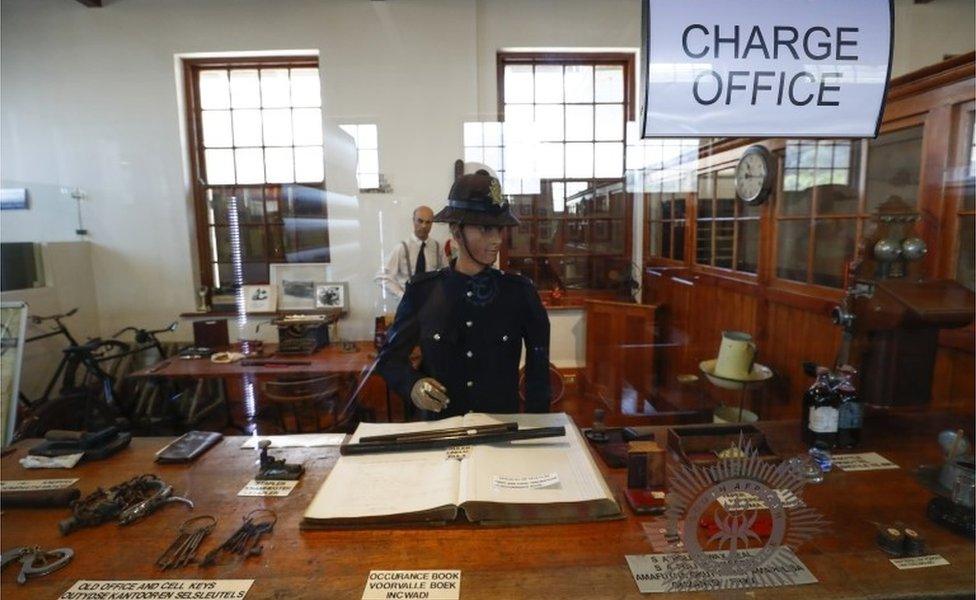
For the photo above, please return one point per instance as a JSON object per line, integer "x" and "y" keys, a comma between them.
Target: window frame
{"x": 627, "y": 61}
{"x": 206, "y": 247}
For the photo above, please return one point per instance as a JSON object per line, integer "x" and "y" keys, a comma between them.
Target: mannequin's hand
{"x": 429, "y": 394}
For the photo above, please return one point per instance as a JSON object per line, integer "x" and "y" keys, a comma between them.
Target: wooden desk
{"x": 210, "y": 390}
{"x": 327, "y": 361}
{"x": 557, "y": 561}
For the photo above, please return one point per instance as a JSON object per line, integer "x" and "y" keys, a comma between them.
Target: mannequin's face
{"x": 482, "y": 241}
{"x": 423, "y": 219}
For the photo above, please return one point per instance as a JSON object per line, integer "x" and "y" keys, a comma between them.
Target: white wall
{"x": 88, "y": 99}
{"x": 70, "y": 283}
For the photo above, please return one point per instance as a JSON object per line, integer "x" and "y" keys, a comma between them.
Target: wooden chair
{"x": 306, "y": 399}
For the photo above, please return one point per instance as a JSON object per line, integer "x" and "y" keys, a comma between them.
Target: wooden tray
{"x": 698, "y": 444}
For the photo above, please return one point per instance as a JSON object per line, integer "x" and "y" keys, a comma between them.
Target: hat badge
{"x": 495, "y": 189}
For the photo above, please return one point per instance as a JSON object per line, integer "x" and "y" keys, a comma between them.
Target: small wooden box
{"x": 699, "y": 444}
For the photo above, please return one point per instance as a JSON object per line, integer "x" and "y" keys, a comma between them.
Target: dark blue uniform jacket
{"x": 470, "y": 330}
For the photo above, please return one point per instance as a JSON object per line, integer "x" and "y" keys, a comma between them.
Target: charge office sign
{"x": 765, "y": 68}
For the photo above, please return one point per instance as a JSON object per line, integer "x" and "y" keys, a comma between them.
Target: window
{"x": 726, "y": 229}
{"x": 368, "y": 154}
{"x": 255, "y": 129}
{"x": 561, "y": 154}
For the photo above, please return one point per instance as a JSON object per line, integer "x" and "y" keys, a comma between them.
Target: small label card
{"x": 531, "y": 482}
{"x": 267, "y": 488}
{"x": 662, "y": 573}
{"x": 919, "y": 562}
{"x": 747, "y": 501}
{"x": 430, "y": 585}
{"x": 458, "y": 452}
{"x": 35, "y": 485}
{"x": 158, "y": 589}
{"x": 867, "y": 461}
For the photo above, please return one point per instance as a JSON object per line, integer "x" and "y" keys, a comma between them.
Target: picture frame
{"x": 260, "y": 298}
{"x": 306, "y": 274}
{"x": 297, "y": 294}
{"x": 332, "y": 295}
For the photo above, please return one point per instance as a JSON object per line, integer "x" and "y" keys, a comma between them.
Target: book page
{"x": 542, "y": 471}
{"x": 374, "y": 485}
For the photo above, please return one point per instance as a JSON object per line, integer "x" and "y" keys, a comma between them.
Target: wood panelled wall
{"x": 790, "y": 321}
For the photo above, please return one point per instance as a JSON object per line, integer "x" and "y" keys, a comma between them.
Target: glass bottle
{"x": 383, "y": 312}
{"x": 819, "y": 417}
{"x": 850, "y": 410}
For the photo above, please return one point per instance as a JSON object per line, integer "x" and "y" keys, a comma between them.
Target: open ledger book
{"x": 543, "y": 480}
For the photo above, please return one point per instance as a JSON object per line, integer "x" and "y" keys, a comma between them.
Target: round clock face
{"x": 751, "y": 175}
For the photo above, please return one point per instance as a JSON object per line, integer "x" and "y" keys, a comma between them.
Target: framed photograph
{"x": 332, "y": 295}
{"x": 297, "y": 272}
{"x": 301, "y": 278}
{"x": 260, "y": 298}
{"x": 297, "y": 295}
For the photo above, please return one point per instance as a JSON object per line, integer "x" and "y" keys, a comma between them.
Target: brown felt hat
{"x": 476, "y": 199}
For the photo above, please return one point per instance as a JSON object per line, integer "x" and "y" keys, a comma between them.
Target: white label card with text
{"x": 919, "y": 562}
{"x": 401, "y": 585}
{"x": 747, "y": 501}
{"x": 267, "y": 488}
{"x": 159, "y": 589}
{"x": 677, "y": 572}
{"x": 35, "y": 485}
{"x": 866, "y": 461}
{"x": 529, "y": 482}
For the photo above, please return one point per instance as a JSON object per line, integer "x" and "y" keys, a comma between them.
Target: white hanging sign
{"x": 765, "y": 68}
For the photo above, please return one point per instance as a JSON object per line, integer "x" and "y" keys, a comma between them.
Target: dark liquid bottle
{"x": 850, "y": 411}
{"x": 819, "y": 418}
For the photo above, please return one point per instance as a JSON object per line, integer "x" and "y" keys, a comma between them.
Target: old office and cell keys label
{"x": 404, "y": 585}
{"x": 159, "y": 589}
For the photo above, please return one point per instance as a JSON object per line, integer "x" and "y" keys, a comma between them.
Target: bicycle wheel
{"x": 66, "y": 411}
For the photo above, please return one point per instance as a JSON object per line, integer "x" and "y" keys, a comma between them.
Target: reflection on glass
{"x": 833, "y": 244}
{"x": 894, "y": 163}
{"x": 724, "y": 238}
{"x": 666, "y": 239}
{"x": 678, "y": 251}
{"x": 747, "y": 242}
{"x": 252, "y": 273}
{"x": 704, "y": 240}
{"x": 792, "y": 237}
{"x": 966, "y": 252}
{"x": 306, "y": 239}
{"x": 252, "y": 243}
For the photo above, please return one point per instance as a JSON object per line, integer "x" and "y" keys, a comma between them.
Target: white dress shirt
{"x": 400, "y": 265}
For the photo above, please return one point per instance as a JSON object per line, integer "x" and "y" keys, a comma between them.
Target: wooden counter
{"x": 558, "y": 561}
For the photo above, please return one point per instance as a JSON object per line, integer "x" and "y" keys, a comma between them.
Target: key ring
{"x": 270, "y": 525}
{"x": 184, "y": 527}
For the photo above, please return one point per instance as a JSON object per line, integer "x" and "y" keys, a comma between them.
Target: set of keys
{"x": 183, "y": 551}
